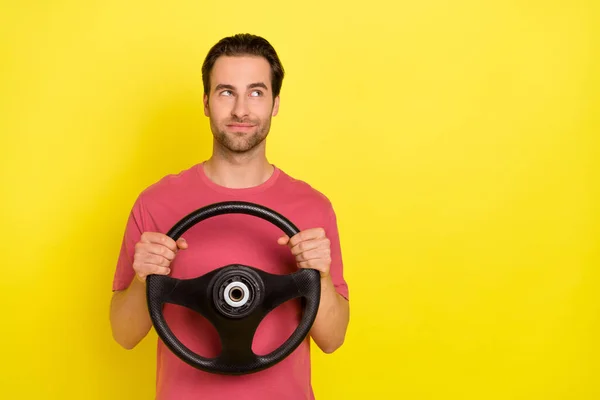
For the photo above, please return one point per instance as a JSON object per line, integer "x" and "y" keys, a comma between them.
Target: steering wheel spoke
{"x": 236, "y": 338}
{"x": 191, "y": 293}
{"x": 279, "y": 289}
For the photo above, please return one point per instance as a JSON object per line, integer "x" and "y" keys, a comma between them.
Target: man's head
{"x": 242, "y": 78}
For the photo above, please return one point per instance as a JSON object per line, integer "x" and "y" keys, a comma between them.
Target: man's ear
{"x": 275, "y": 106}
{"x": 205, "y": 101}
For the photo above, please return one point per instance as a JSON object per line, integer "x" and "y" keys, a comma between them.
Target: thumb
{"x": 283, "y": 240}
{"x": 182, "y": 244}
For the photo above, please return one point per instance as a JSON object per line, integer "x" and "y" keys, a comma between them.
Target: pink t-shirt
{"x": 223, "y": 240}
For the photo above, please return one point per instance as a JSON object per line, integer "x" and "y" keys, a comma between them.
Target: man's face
{"x": 241, "y": 104}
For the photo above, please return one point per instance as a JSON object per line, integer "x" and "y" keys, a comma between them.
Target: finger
{"x": 159, "y": 238}
{"x": 182, "y": 243}
{"x": 310, "y": 245}
{"x": 313, "y": 264}
{"x": 145, "y": 263}
{"x": 154, "y": 259}
{"x": 315, "y": 254}
{"x": 308, "y": 234}
{"x": 283, "y": 240}
{"x": 144, "y": 269}
{"x": 151, "y": 269}
{"x": 157, "y": 249}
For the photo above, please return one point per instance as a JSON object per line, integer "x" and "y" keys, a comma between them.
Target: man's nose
{"x": 240, "y": 108}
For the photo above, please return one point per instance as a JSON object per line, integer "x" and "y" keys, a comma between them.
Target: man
{"x": 242, "y": 78}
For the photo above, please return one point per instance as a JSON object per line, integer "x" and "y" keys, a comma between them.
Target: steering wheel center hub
{"x": 237, "y": 290}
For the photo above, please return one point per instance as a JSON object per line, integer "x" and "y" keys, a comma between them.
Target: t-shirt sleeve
{"x": 337, "y": 265}
{"x": 134, "y": 228}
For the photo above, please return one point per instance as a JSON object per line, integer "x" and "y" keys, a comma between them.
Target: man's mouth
{"x": 239, "y": 127}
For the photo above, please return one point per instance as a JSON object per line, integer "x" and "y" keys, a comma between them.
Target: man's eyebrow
{"x": 221, "y": 86}
{"x": 257, "y": 84}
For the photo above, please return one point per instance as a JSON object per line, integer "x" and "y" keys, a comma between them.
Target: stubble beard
{"x": 238, "y": 142}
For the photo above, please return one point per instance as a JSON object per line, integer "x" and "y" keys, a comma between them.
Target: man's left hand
{"x": 311, "y": 248}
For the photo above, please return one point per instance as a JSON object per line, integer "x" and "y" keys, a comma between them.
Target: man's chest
{"x": 238, "y": 238}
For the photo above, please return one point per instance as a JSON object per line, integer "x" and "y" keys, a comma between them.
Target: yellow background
{"x": 457, "y": 140}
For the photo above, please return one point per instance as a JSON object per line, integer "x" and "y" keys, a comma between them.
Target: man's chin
{"x": 239, "y": 146}
{"x": 239, "y": 141}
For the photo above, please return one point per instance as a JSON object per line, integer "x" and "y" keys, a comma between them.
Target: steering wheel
{"x": 234, "y": 299}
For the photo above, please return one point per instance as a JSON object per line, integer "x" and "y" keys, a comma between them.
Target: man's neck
{"x": 238, "y": 172}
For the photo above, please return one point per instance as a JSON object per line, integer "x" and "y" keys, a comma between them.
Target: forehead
{"x": 241, "y": 71}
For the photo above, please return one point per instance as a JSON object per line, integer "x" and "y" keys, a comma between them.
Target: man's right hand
{"x": 154, "y": 254}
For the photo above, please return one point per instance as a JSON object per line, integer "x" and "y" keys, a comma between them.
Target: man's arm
{"x": 313, "y": 249}
{"x": 129, "y": 318}
{"x": 329, "y": 328}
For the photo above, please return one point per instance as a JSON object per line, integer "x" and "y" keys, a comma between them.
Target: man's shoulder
{"x": 300, "y": 189}
{"x": 171, "y": 183}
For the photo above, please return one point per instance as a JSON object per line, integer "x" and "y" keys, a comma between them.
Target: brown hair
{"x": 240, "y": 45}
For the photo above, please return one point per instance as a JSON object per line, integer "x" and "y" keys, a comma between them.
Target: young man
{"x": 242, "y": 78}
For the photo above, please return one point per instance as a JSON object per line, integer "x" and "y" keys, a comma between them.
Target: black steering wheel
{"x": 234, "y": 298}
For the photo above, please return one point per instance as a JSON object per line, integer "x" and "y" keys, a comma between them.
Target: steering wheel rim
{"x": 236, "y": 328}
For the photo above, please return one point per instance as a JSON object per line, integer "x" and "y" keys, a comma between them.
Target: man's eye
{"x": 256, "y": 93}
{"x": 226, "y": 93}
